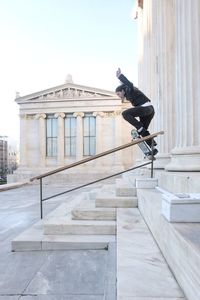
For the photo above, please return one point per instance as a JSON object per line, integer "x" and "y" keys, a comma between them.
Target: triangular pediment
{"x": 67, "y": 91}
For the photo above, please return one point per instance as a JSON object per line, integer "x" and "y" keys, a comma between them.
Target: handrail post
{"x": 152, "y": 157}
{"x": 41, "y": 208}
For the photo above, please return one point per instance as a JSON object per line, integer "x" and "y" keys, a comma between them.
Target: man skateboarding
{"x": 142, "y": 107}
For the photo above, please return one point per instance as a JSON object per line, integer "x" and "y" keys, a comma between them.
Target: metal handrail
{"x": 134, "y": 142}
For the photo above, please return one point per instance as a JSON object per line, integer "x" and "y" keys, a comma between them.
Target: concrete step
{"x": 142, "y": 272}
{"x": 33, "y": 239}
{"x": 179, "y": 242}
{"x": 109, "y": 199}
{"x": 86, "y": 210}
{"x": 66, "y": 225}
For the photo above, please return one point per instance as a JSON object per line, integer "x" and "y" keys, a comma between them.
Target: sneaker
{"x": 144, "y": 132}
{"x": 149, "y": 143}
{"x": 155, "y": 151}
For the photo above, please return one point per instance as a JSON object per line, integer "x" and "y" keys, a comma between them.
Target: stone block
{"x": 125, "y": 190}
{"x": 146, "y": 183}
{"x": 181, "y": 207}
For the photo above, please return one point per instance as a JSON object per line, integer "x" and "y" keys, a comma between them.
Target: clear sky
{"x": 44, "y": 40}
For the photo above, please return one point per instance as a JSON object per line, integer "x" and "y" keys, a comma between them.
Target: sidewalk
{"x": 52, "y": 275}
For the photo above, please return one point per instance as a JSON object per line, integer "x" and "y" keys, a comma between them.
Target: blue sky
{"x": 44, "y": 40}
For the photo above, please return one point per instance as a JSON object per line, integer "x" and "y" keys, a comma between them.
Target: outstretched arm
{"x": 123, "y": 79}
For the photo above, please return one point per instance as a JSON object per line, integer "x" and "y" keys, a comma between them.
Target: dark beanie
{"x": 120, "y": 88}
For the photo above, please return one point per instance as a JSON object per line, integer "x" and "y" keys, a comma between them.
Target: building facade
{"x": 70, "y": 122}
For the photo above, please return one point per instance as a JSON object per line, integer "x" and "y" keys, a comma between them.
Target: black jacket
{"x": 133, "y": 94}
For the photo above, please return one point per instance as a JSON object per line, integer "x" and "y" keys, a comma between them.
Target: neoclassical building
{"x": 67, "y": 123}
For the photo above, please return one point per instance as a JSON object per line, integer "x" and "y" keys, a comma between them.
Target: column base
{"x": 161, "y": 161}
{"x": 185, "y": 159}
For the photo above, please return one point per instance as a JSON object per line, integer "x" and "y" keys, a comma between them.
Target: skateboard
{"x": 144, "y": 146}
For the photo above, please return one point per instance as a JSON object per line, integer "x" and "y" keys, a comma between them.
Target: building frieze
{"x": 66, "y": 91}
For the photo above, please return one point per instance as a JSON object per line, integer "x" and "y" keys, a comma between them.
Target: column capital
{"x": 98, "y": 113}
{"x": 117, "y": 113}
{"x": 78, "y": 114}
{"x": 40, "y": 116}
{"x": 60, "y": 114}
{"x": 22, "y": 116}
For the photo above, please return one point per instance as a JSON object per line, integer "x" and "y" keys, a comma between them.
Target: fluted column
{"x": 186, "y": 153}
{"x": 118, "y": 136}
{"x": 42, "y": 138}
{"x": 79, "y": 135}
{"x": 23, "y": 141}
{"x": 165, "y": 77}
{"x": 99, "y": 143}
{"x": 61, "y": 139}
{"x": 157, "y": 70}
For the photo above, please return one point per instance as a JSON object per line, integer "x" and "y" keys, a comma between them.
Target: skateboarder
{"x": 142, "y": 106}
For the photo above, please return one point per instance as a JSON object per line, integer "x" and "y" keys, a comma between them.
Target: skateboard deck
{"x": 143, "y": 145}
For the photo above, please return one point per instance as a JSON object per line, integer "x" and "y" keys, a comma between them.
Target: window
{"x": 52, "y": 135}
{"x": 70, "y": 135}
{"x": 89, "y": 135}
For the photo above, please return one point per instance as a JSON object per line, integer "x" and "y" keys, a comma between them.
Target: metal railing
{"x": 57, "y": 170}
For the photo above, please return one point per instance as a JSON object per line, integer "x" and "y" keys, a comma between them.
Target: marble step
{"x": 109, "y": 199}
{"x": 124, "y": 189}
{"x": 66, "y": 225}
{"x": 93, "y": 193}
{"x": 33, "y": 239}
{"x": 87, "y": 211}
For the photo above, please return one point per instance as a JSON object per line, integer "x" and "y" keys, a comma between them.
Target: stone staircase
{"x": 87, "y": 222}
{"x": 110, "y": 215}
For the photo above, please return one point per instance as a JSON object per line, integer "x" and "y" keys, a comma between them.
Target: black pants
{"x": 145, "y": 114}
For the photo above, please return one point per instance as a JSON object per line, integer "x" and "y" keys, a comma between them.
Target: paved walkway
{"x": 52, "y": 275}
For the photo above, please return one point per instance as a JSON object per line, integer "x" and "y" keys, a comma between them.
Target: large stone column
{"x": 23, "y": 140}
{"x": 165, "y": 79}
{"x": 42, "y": 139}
{"x": 118, "y": 137}
{"x": 79, "y": 135}
{"x": 186, "y": 153}
{"x": 157, "y": 70}
{"x": 61, "y": 140}
{"x": 99, "y": 143}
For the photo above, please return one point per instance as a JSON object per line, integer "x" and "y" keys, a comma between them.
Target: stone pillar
{"x": 79, "y": 135}
{"x": 99, "y": 143}
{"x": 157, "y": 56}
{"x": 118, "y": 137}
{"x": 186, "y": 153}
{"x": 23, "y": 140}
{"x": 165, "y": 79}
{"x": 61, "y": 140}
{"x": 42, "y": 138}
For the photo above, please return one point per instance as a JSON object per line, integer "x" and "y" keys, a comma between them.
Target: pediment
{"x": 68, "y": 91}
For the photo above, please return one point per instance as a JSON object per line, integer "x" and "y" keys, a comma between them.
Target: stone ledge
{"x": 179, "y": 243}
{"x": 9, "y": 186}
{"x": 142, "y": 272}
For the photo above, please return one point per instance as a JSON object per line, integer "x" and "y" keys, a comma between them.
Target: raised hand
{"x": 118, "y": 72}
